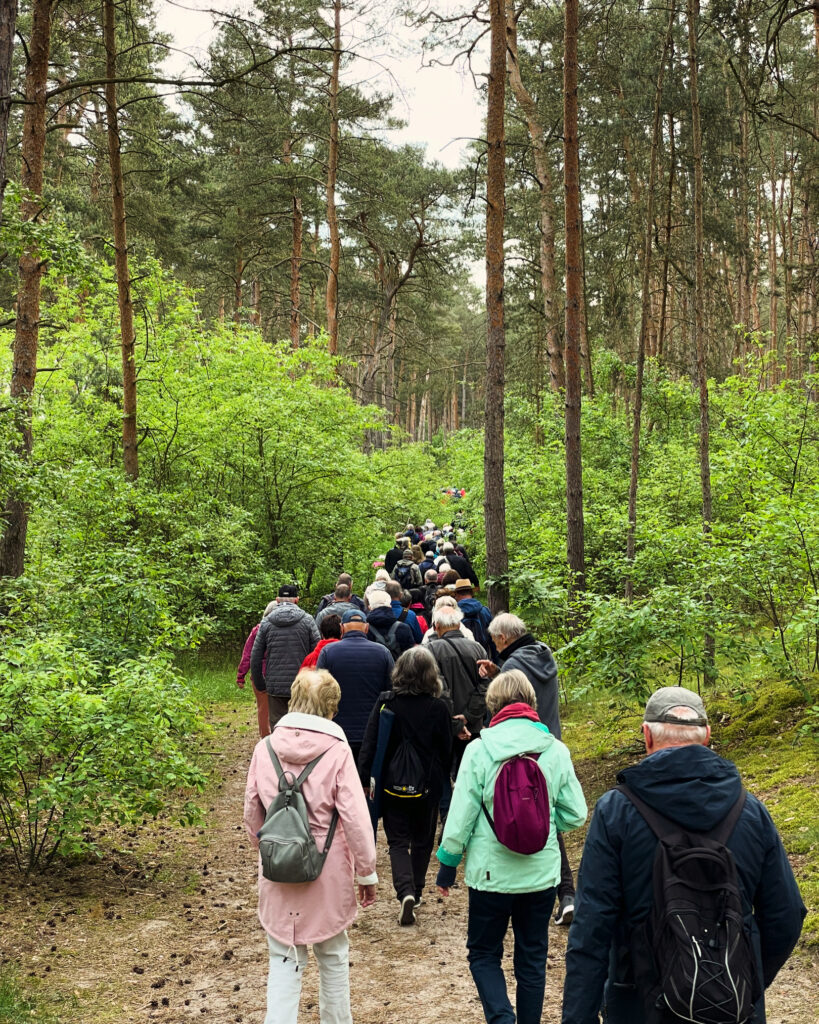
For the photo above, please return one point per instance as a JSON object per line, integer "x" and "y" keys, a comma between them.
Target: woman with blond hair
{"x": 314, "y": 913}
{"x": 505, "y": 885}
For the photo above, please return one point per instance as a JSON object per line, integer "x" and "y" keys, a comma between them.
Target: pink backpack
{"x": 520, "y": 805}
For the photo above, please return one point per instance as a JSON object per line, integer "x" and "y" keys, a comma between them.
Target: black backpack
{"x": 403, "y": 575}
{"x": 405, "y": 775}
{"x": 692, "y": 957}
{"x": 390, "y": 641}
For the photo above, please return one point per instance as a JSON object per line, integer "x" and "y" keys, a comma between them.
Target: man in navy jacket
{"x": 362, "y": 669}
{"x": 684, "y": 781}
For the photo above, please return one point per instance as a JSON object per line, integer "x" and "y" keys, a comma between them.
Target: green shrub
{"x": 82, "y": 748}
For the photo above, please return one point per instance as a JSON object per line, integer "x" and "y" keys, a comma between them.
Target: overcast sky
{"x": 440, "y": 105}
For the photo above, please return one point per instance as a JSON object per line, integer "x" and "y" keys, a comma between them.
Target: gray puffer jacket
{"x": 285, "y": 638}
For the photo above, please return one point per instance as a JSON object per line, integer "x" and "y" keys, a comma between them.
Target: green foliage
{"x": 83, "y": 747}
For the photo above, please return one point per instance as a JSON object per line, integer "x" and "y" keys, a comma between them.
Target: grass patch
{"x": 212, "y": 678}
{"x": 16, "y": 1006}
{"x": 760, "y": 729}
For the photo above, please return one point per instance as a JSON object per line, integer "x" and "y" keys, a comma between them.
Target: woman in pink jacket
{"x": 262, "y": 713}
{"x": 319, "y": 912}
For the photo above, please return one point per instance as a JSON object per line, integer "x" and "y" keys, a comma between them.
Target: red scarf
{"x": 519, "y": 710}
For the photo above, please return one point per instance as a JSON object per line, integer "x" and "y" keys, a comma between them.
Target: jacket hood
{"x": 691, "y": 785}
{"x": 515, "y": 736}
{"x": 471, "y": 606}
{"x": 381, "y": 617}
{"x": 286, "y": 614}
{"x": 300, "y": 738}
{"x": 538, "y": 661}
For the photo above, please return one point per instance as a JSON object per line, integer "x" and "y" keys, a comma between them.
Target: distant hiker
{"x": 427, "y": 564}
{"x": 262, "y": 715}
{"x": 406, "y": 571}
{"x": 460, "y": 564}
{"x": 345, "y": 579}
{"x": 401, "y": 613}
{"x": 504, "y": 884}
{"x": 362, "y": 670}
{"x": 286, "y": 636}
{"x": 385, "y": 628}
{"x": 330, "y": 629}
{"x": 318, "y": 912}
{"x": 689, "y": 790}
{"x": 417, "y": 554}
{"x": 430, "y": 591}
{"x": 396, "y": 553}
{"x": 412, "y": 780}
{"x": 518, "y": 649}
{"x": 342, "y": 602}
{"x": 476, "y": 615}
{"x": 416, "y": 604}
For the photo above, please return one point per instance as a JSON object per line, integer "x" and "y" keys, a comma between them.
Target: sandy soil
{"x": 170, "y": 934}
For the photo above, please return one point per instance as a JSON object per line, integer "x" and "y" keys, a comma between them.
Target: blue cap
{"x": 353, "y": 616}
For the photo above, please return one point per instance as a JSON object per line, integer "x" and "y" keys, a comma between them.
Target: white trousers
{"x": 284, "y": 980}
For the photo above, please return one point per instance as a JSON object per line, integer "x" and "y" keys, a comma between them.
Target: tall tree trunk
{"x": 645, "y": 312}
{"x": 543, "y": 174}
{"x": 664, "y": 317}
{"x": 497, "y": 555}
{"x": 332, "y": 173}
{"x": 699, "y": 297}
{"x": 773, "y": 311}
{"x": 575, "y": 540}
{"x": 30, "y": 272}
{"x": 130, "y": 459}
{"x": 8, "y": 25}
{"x": 295, "y": 274}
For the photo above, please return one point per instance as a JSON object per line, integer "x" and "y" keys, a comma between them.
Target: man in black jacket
{"x": 685, "y": 781}
{"x": 395, "y": 554}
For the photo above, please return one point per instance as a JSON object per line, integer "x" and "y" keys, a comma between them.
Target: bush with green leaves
{"x": 83, "y": 748}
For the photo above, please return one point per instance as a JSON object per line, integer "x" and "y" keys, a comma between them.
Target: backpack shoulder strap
{"x": 403, "y": 616}
{"x": 658, "y": 823}
{"x": 472, "y": 668}
{"x": 379, "y": 637}
{"x": 722, "y": 833}
{"x": 308, "y": 768}
{"x": 276, "y": 762}
{"x": 393, "y": 630}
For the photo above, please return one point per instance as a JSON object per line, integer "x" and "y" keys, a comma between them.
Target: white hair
{"x": 378, "y": 599}
{"x": 382, "y": 574}
{"x": 669, "y": 734}
{"x": 269, "y": 608}
{"x": 444, "y": 601}
{"x": 509, "y": 625}
{"x": 449, "y": 548}
{"x": 444, "y": 615}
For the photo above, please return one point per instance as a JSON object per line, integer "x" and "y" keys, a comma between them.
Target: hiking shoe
{"x": 418, "y": 901}
{"x": 565, "y": 912}
{"x": 407, "y": 915}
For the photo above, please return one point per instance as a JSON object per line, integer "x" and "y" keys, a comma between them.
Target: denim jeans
{"x": 489, "y": 917}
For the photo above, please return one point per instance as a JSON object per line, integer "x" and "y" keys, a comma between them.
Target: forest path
{"x": 174, "y": 937}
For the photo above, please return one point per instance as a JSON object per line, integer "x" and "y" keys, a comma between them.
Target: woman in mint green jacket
{"x": 504, "y": 885}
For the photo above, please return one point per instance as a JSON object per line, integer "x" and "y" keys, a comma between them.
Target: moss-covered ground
{"x": 768, "y": 731}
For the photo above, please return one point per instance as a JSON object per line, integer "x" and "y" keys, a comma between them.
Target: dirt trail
{"x": 173, "y": 936}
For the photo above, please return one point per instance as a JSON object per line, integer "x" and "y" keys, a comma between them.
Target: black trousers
{"x": 409, "y": 826}
{"x": 565, "y": 886}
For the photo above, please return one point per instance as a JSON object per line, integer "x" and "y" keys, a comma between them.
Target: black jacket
{"x": 425, "y": 722}
{"x": 362, "y": 670}
{"x": 695, "y": 787}
{"x": 463, "y": 567}
{"x": 464, "y": 690}
{"x": 382, "y": 619}
{"x": 285, "y": 638}
{"x": 393, "y": 556}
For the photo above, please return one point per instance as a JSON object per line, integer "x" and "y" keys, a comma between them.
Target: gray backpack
{"x": 389, "y": 641}
{"x": 286, "y": 844}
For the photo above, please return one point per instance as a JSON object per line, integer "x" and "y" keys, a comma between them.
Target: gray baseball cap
{"x": 662, "y": 701}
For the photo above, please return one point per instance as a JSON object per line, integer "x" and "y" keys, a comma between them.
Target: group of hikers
{"x": 413, "y": 706}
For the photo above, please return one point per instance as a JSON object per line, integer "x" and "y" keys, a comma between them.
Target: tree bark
{"x": 497, "y": 555}
{"x": 30, "y": 272}
{"x": 645, "y": 311}
{"x": 295, "y": 274}
{"x": 332, "y": 173}
{"x": 130, "y": 458}
{"x": 575, "y": 541}
{"x": 700, "y": 341}
{"x": 8, "y": 25}
{"x": 667, "y": 252}
{"x": 543, "y": 174}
